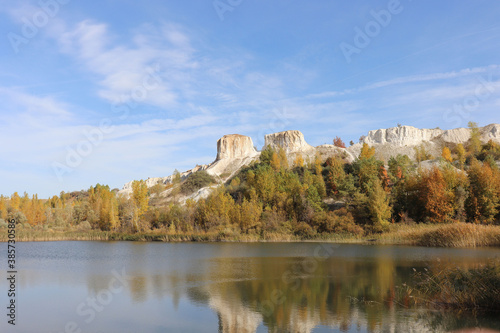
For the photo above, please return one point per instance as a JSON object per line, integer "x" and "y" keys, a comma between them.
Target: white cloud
{"x": 150, "y": 70}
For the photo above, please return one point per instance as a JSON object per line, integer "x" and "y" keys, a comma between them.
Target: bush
{"x": 304, "y": 230}
{"x": 339, "y": 222}
{"x": 196, "y": 181}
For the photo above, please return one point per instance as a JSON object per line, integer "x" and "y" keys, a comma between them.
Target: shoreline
{"x": 463, "y": 235}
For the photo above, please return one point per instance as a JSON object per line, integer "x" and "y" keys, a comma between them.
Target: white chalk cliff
{"x": 403, "y": 139}
{"x": 235, "y": 151}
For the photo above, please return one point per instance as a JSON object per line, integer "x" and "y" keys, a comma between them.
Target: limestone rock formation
{"x": 290, "y": 141}
{"x": 235, "y": 146}
{"x": 233, "y": 152}
{"x": 403, "y": 139}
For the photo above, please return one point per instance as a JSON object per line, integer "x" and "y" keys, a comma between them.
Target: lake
{"x": 226, "y": 287}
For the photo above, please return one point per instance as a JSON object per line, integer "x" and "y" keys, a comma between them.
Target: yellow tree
{"x": 379, "y": 206}
{"x": 283, "y": 159}
{"x": 475, "y": 138}
{"x": 3, "y": 207}
{"x": 275, "y": 161}
{"x": 140, "y": 195}
{"x": 299, "y": 161}
{"x": 367, "y": 151}
{"x": 446, "y": 154}
{"x": 461, "y": 155}
{"x": 15, "y": 201}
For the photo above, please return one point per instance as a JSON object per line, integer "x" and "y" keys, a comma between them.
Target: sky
{"x": 111, "y": 91}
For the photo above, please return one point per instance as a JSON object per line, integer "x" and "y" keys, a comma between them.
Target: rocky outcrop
{"x": 401, "y": 136}
{"x": 403, "y": 139}
{"x": 235, "y": 146}
{"x": 290, "y": 141}
{"x": 233, "y": 152}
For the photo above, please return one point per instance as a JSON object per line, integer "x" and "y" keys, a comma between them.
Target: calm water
{"x": 226, "y": 287}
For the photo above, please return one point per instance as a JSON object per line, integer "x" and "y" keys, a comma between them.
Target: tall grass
{"x": 469, "y": 289}
{"x": 443, "y": 235}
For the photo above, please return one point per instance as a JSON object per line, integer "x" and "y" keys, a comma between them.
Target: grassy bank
{"x": 463, "y": 289}
{"x": 432, "y": 235}
{"x": 442, "y": 235}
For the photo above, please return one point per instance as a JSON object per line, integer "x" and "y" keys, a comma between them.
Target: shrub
{"x": 304, "y": 230}
{"x": 196, "y": 181}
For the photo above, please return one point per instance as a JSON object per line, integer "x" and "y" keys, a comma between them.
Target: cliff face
{"x": 401, "y": 135}
{"x": 402, "y": 139}
{"x": 290, "y": 141}
{"x": 412, "y": 136}
{"x": 235, "y": 146}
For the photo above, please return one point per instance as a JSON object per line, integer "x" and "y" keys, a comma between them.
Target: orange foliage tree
{"x": 436, "y": 199}
{"x": 338, "y": 142}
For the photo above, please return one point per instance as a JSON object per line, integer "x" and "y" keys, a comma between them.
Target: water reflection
{"x": 249, "y": 287}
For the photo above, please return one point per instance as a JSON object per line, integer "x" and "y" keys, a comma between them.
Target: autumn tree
{"x": 446, "y": 154}
{"x": 283, "y": 158}
{"x": 379, "y": 207}
{"x": 475, "y": 138}
{"x": 299, "y": 161}
{"x": 461, "y": 155}
{"x": 384, "y": 178}
{"x": 484, "y": 194}
{"x": 399, "y": 167}
{"x": 275, "y": 161}
{"x": 421, "y": 153}
{"x": 337, "y": 142}
{"x": 367, "y": 151}
{"x": 15, "y": 201}
{"x": 436, "y": 199}
{"x": 140, "y": 196}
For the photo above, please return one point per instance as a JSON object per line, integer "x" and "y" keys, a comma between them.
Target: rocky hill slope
{"x": 235, "y": 151}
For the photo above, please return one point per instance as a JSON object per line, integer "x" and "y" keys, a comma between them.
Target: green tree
{"x": 379, "y": 207}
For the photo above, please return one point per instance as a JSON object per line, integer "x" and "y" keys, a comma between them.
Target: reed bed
{"x": 443, "y": 235}
{"x": 463, "y": 289}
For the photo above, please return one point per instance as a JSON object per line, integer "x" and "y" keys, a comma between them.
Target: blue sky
{"x": 113, "y": 91}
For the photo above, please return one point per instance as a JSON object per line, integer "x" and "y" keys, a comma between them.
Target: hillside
{"x": 234, "y": 151}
